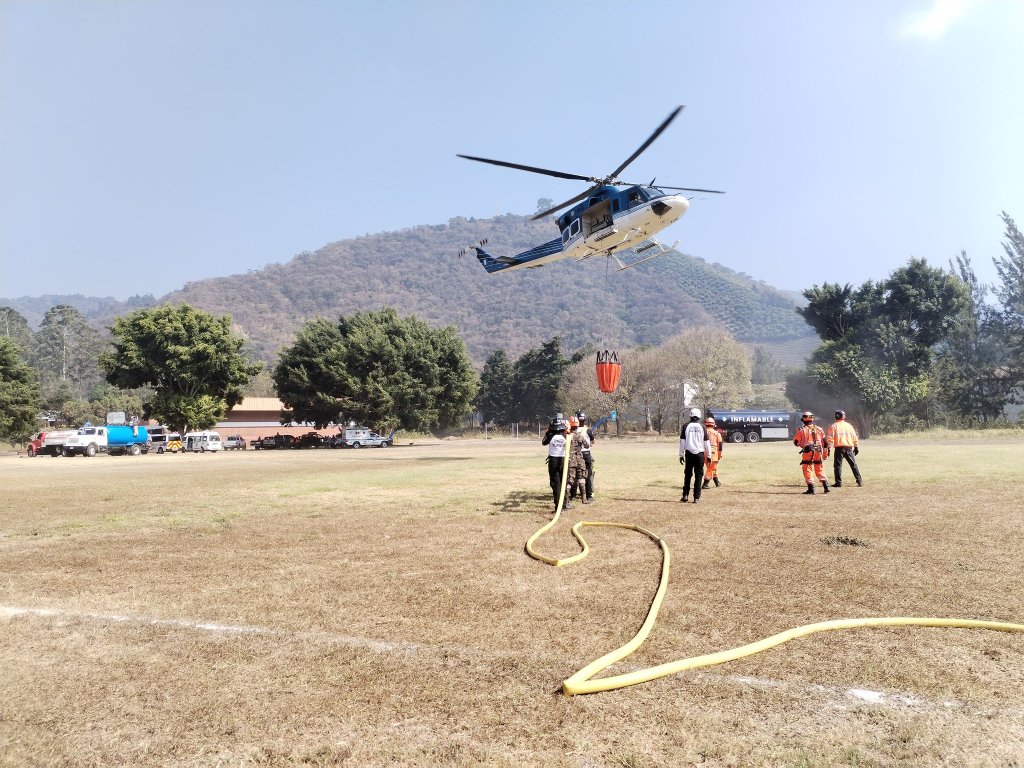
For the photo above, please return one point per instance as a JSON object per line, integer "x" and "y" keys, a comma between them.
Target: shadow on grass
{"x": 521, "y": 501}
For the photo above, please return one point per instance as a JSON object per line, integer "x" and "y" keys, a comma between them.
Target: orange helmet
{"x": 573, "y": 422}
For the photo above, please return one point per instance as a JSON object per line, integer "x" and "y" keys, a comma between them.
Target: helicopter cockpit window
{"x": 636, "y": 196}
{"x": 571, "y": 231}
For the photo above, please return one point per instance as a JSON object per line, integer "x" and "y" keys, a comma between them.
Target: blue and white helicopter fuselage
{"x": 612, "y": 219}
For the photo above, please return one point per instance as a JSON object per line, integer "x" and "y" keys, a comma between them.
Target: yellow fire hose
{"x": 584, "y": 681}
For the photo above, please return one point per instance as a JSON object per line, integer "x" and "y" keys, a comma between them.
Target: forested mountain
{"x": 417, "y": 271}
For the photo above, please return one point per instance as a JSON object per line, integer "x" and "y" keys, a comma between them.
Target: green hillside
{"x": 417, "y": 271}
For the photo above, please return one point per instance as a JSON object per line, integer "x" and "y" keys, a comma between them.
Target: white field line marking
{"x": 8, "y": 612}
{"x": 841, "y": 698}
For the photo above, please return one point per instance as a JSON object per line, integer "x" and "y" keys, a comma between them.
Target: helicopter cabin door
{"x": 597, "y": 221}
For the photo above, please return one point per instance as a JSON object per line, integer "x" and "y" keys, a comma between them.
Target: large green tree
{"x": 970, "y": 365}
{"x": 14, "y": 326}
{"x": 378, "y": 369}
{"x": 65, "y": 353}
{"x": 189, "y": 357}
{"x": 537, "y": 374}
{"x": 19, "y": 395}
{"x": 495, "y": 398}
{"x": 878, "y": 342}
{"x": 311, "y": 376}
{"x": 1010, "y": 290}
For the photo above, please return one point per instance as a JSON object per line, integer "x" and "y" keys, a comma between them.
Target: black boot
{"x": 810, "y": 490}
{"x": 824, "y": 484}
{"x": 705, "y": 484}
{"x": 717, "y": 483}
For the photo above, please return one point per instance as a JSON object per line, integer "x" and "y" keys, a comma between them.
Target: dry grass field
{"x": 376, "y": 608}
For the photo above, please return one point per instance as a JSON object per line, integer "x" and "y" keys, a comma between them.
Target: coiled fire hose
{"x": 585, "y": 680}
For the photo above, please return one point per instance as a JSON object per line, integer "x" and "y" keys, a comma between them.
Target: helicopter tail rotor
{"x": 478, "y": 244}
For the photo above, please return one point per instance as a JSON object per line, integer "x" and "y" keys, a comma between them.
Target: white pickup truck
{"x": 360, "y": 437}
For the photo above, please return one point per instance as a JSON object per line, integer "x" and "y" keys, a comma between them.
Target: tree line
{"x": 185, "y": 368}
{"x": 924, "y": 346}
{"x": 176, "y": 364}
{"x": 703, "y": 366}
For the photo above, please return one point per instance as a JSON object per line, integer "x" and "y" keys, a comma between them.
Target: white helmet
{"x": 695, "y": 413}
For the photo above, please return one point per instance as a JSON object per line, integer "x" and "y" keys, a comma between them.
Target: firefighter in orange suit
{"x": 810, "y": 439}
{"x": 842, "y": 441}
{"x": 714, "y": 455}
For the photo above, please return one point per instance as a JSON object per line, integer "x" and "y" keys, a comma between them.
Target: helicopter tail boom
{"x": 535, "y": 257}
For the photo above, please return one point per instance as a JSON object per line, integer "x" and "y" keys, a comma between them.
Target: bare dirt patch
{"x": 376, "y": 607}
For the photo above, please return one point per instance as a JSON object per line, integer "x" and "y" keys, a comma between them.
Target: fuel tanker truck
{"x": 114, "y": 439}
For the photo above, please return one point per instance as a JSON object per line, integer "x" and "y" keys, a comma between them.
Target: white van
{"x": 201, "y": 442}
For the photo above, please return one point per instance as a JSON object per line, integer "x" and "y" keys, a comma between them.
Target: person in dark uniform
{"x": 587, "y": 437}
{"x": 842, "y": 439}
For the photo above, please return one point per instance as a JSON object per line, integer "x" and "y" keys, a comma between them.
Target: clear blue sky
{"x": 145, "y": 144}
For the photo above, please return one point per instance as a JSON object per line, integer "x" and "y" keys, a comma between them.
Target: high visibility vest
{"x": 811, "y": 436}
{"x": 715, "y": 439}
{"x": 842, "y": 435}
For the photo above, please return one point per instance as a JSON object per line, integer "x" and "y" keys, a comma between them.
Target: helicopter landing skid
{"x": 649, "y": 245}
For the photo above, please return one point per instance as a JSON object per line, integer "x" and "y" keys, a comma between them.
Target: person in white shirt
{"x": 554, "y": 439}
{"x": 693, "y": 447}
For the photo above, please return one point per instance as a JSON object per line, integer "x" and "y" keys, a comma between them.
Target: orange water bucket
{"x": 609, "y": 369}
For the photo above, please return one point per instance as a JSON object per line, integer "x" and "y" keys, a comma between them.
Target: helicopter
{"x": 612, "y": 216}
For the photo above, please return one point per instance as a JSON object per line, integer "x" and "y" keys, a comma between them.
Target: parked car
{"x": 234, "y": 443}
{"x": 157, "y": 437}
{"x": 171, "y": 445}
{"x": 366, "y": 438}
{"x": 310, "y": 440}
{"x": 201, "y": 442}
{"x": 275, "y": 441}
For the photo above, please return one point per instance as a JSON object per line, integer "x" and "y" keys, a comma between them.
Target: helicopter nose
{"x": 672, "y": 206}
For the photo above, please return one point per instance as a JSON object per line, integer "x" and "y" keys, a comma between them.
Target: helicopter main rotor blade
{"x": 566, "y": 204}
{"x": 647, "y": 143}
{"x": 530, "y": 168}
{"x": 683, "y": 189}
